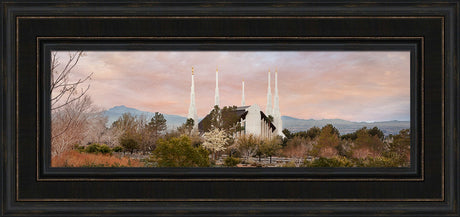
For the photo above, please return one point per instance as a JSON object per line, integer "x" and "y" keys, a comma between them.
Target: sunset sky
{"x": 355, "y": 86}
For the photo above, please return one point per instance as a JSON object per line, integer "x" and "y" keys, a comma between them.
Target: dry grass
{"x": 76, "y": 159}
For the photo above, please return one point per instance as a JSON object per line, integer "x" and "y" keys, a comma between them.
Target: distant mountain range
{"x": 344, "y": 127}
{"x": 293, "y": 124}
{"x": 172, "y": 121}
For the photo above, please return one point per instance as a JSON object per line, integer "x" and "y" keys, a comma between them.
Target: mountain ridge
{"x": 344, "y": 126}
{"x": 115, "y": 112}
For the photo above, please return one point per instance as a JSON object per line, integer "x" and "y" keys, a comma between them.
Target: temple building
{"x": 269, "y": 109}
{"x": 192, "y": 108}
{"x": 254, "y": 121}
{"x": 276, "y": 109}
{"x": 216, "y": 92}
{"x": 251, "y": 119}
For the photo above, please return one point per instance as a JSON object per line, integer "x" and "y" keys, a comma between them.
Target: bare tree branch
{"x": 71, "y": 107}
{"x": 63, "y": 91}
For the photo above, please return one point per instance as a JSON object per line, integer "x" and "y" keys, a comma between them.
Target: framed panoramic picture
{"x": 132, "y": 112}
{"x": 162, "y": 108}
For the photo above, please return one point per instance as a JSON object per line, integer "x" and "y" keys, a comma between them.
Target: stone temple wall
{"x": 253, "y": 120}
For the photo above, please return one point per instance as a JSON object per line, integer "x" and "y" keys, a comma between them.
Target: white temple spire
{"x": 242, "y": 97}
{"x": 268, "y": 109}
{"x": 192, "y": 109}
{"x": 216, "y": 96}
{"x": 276, "y": 100}
{"x": 276, "y": 109}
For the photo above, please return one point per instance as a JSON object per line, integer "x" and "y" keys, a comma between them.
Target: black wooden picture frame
{"x": 428, "y": 29}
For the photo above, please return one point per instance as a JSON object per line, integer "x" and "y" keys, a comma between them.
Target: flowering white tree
{"x": 215, "y": 141}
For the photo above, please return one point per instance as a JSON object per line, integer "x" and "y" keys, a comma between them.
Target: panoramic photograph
{"x": 223, "y": 109}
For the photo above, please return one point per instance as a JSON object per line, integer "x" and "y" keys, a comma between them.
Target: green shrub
{"x": 328, "y": 162}
{"x": 79, "y": 148}
{"x": 104, "y": 149}
{"x": 231, "y": 161}
{"x": 117, "y": 149}
{"x": 92, "y": 148}
{"x": 97, "y": 148}
{"x": 179, "y": 152}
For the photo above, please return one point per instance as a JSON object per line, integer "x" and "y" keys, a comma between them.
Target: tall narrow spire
{"x": 276, "y": 101}
{"x": 192, "y": 109}
{"x": 268, "y": 110}
{"x": 276, "y": 109}
{"x": 242, "y": 97}
{"x": 216, "y": 95}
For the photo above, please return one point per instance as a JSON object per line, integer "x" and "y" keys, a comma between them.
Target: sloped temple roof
{"x": 241, "y": 112}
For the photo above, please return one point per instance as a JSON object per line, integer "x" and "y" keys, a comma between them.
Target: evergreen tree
{"x": 314, "y": 132}
{"x": 157, "y": 124}
{"x": 287, "y": 133}
{"x": 187, "y": 127}
{"x": 375, "y": 131}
